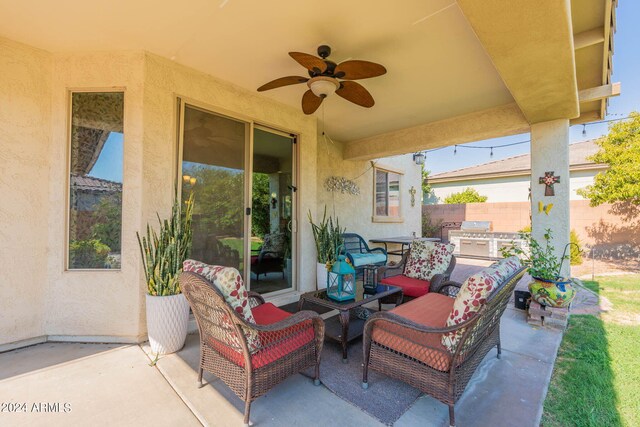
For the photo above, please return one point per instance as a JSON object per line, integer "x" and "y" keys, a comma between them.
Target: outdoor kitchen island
{"x": 475, "y": 239}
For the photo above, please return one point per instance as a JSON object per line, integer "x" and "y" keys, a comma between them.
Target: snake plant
{"x": 163, "y": 251}
{"x": 328, "y": 237}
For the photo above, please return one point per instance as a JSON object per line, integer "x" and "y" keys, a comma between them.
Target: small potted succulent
{"x": 548, "y": 288}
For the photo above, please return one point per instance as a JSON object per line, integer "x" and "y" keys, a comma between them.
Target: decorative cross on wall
{"x": 412, "y": 191}
{"x": 548, "y": 180}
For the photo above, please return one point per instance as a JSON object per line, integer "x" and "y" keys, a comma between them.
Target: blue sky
{"x": 109, "y": 163}
{"x": 626, "y": 69}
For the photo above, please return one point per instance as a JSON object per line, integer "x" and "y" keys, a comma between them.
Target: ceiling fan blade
{"x": 282, "y": 81}
{"x": 356, "y": 69}
{"x": 310, "y": 62}
{"x": 310, "y": 102}
{"x": 356, "y": 93}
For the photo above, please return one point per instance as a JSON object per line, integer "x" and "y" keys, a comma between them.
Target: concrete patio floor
{"x": 109, "y": 384}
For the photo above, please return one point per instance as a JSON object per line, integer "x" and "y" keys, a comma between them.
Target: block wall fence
{"x": 602, "y": 225}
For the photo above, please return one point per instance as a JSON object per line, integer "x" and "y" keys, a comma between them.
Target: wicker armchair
{"x": 251, "y": 358}
{"x": 393, "y": 274}
{"x": 413, "y": 352}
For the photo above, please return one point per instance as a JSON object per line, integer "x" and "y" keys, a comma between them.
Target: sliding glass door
{"x": 213, "y": 168}
{"x": 242, "y": 177}
{"x": 272, "y": 220}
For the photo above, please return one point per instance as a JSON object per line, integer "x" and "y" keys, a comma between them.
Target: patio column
{"x": 550, "y": 153}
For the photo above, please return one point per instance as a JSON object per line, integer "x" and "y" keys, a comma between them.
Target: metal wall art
{"x": 342, "y": 185}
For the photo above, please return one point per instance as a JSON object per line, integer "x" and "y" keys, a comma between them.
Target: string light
{"x": 584, "y": 132}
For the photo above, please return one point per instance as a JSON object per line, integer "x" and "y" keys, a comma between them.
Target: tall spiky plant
{"x": 328, "y": 237}
{"x": 163, "y": 251}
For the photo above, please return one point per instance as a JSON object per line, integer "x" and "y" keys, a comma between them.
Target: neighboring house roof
{"x": 89, "y": 183}
{"x": 521, "y": 165}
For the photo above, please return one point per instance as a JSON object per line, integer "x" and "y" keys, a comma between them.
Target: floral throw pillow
{"x": 440, "y": 257}
{"x": 471, "y": 297}
{"x": 427, "y": 259}
{"x": 505, "y": 268}
{"x": 474, "y": 293}
{"x": 229, "y": 282}
{"x": 417, "y": 266}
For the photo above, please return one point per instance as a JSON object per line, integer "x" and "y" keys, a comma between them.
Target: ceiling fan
{"x": 323, "y": 79}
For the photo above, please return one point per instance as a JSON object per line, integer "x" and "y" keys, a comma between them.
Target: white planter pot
{"x": 167, "y": 322}
{"x": 321, "y": 275}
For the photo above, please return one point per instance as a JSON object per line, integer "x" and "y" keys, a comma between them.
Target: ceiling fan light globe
{"x": 323, "y": 87}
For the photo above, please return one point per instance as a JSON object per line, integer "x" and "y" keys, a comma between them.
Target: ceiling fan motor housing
{"x": 324, "y": 51}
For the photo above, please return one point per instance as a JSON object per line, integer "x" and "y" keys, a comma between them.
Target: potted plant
{"x": 328, "y": 237}
{"x": 548, "y": 288}
{"x": 163, "y": 253}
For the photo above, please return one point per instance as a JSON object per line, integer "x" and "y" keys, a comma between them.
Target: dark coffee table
{"x": 340, "y": 327}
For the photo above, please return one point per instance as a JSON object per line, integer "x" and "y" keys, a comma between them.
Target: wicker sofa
{"x": 251, "y": 358}
{"x": 407, "y": 343}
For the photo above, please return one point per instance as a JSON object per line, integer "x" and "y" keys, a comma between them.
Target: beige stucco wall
{"x": 355, "y": 212}
{"x": 507, "y": 189}
{"x": 95, "y": 303}
{"x": 25, "y": 119}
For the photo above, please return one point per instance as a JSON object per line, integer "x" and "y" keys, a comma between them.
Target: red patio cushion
{"x": 275, "y": 345}
{"x": 267, "y": 313}
{"x": 430, "y": 310}
{"x": 410, "y": 286}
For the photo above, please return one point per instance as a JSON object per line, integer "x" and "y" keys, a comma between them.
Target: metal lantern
{"x": 341, "y": 280}
{"x": 370, "y": 279}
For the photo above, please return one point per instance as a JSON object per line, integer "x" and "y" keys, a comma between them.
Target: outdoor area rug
{"x": 386, "y": 399}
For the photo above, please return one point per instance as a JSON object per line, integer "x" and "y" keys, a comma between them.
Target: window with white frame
{"x": 95, "y": 180}
{"x": 387, "y": 185}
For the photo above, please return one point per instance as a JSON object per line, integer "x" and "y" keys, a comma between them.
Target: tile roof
{"x": 90, "y": 183}
{"x": 578, "y": 154}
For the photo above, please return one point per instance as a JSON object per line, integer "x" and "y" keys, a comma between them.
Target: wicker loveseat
{"x": 408, "y": 342}
{"x": 251, "y": 358}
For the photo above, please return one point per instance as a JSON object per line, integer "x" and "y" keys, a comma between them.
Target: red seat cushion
{"x": 430, "y": 310}
{"x": 275, "y": 345}
{"x": 267, "y": 313}
{"x": 254, "y": 259}
{"x": 410, "y": 286}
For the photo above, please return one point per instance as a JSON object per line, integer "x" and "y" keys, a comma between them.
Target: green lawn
{"x": 596, "y": 379}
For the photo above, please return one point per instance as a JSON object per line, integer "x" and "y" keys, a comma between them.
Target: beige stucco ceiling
{"x": 436, "y": 66}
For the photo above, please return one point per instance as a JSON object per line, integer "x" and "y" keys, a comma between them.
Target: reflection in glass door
{"x": 213, "y": 167}
{"x": 273, "y": 214}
